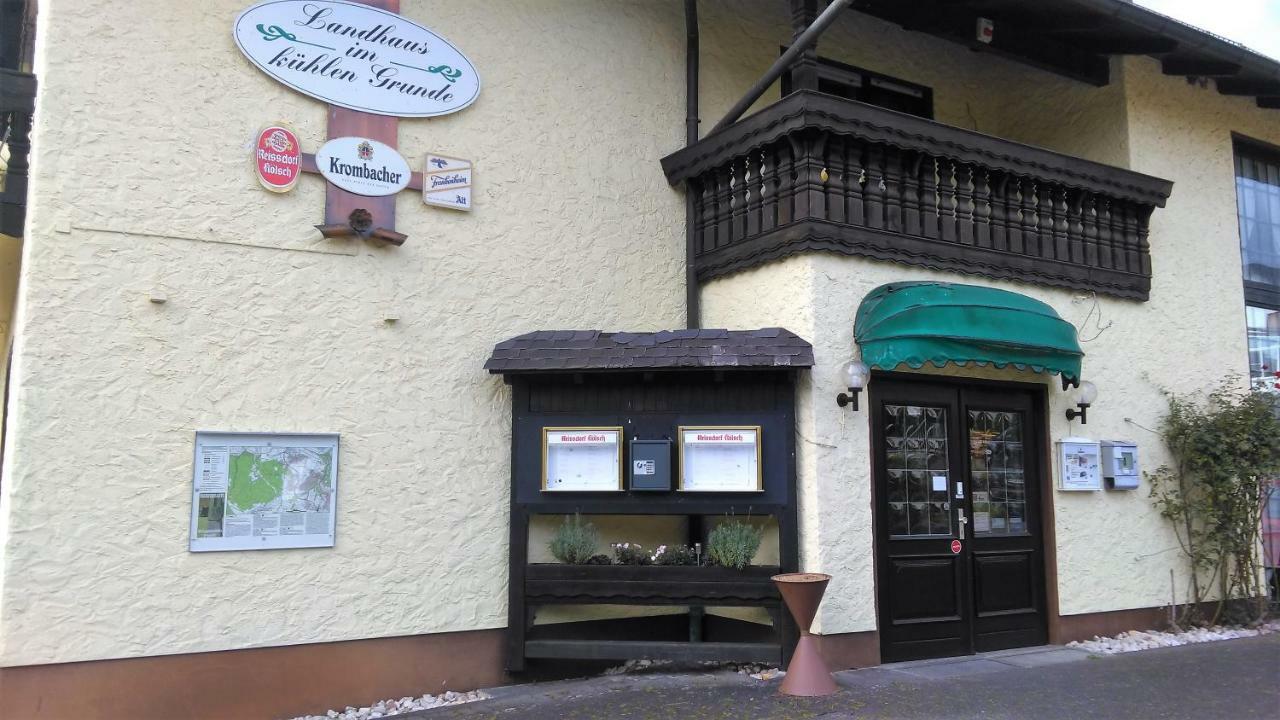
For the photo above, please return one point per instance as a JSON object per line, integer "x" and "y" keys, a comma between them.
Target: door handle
{"x": 963, "y": 521}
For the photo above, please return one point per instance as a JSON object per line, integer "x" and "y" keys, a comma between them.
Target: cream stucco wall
{"x": 142, "y": 186}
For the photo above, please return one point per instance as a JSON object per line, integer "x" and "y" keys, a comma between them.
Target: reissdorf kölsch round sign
{"x": 277, "y": 158}
{"x": 357, "y": 57}
{"x": 363, "y": 166}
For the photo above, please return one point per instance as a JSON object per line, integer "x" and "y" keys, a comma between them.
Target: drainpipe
{"x": 691, "y": 290}
{"x": 802, "y": 43}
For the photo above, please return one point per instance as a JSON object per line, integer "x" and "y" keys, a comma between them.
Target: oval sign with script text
{"x": 363, "y": 166}
{"x": 358, "y": 57}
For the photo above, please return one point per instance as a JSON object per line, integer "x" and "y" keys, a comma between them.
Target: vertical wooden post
{"x": 339, "y": 203}
{"x": 804, "y": 72}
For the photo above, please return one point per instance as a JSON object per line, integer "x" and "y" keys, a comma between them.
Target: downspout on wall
{"x": 692, "y": 301}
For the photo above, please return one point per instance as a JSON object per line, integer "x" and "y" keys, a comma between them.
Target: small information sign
{"x": 277, "y": 158}
{"x": 446, "y": 182}
{"x": 582, "y": 459}
{"x": 1079, "y": 468}
{"x": 720, "y": 459}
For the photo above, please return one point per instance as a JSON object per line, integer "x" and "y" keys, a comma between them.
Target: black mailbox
{"x": 651, "y": 465}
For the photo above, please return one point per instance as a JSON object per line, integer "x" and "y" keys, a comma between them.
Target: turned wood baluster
{"x": 1089, "y": 229}
{"x": 964, "y": 203}
{"x": 786, "y": 181}
{"x": 856, "y": 178}
{"x": 707, "y": 212}
{"x": 835, "y": 179}
{"x": 769, "y": 188}
{"x": 738, "y": 199}
{"x": 912, "y": 162}
{"x": 946, "y": 200}
{"x": 724, "y": 205}
{"x": 1027, "y": 221}
{"x": 1074, "y": 231}
{"x": 755, "y": 165}
{"x": 893, "y": 189}
{"x": 875, "y": 187}
{"x": 1106, "y": 258}
{"x": 981, "y": 208}
{"x": 1116, "y": 222}
{"x": 929, "y": 199}
{"x": 1000, "y": 211}
{"x": 1061, "y": 246}
{"x": 1144, "y": 232}
{"x": 1044, "y": 213}
{"x": 1132, "y": 263}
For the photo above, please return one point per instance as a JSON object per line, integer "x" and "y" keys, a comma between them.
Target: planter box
{"x": 554, "y": 583}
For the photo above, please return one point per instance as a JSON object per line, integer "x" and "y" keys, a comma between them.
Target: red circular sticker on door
{"x": 955, "y": 547}
{"x": 277, "y": 158}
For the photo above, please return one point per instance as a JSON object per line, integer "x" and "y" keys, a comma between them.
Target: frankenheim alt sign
{"x": 357, "y": 57}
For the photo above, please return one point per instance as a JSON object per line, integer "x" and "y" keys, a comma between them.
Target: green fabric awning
{"x": 938, "y": 322}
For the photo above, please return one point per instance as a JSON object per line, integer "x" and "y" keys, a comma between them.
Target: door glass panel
{"x": 917, "y": 472}
{"x": 997, "y": 475}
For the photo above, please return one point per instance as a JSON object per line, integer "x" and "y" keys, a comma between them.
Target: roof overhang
{"x": 1076, "y": 38}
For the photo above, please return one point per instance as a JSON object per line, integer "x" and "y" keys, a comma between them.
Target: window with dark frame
{"x": 1258, "y": 209}
{"x": 855, "y": 83}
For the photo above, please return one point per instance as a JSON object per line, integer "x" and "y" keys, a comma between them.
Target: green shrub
{"x": 575, "y": 541}
{"x": 733, "y": 544}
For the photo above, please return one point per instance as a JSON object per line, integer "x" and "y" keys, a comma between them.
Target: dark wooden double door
{"x": 959, "y": 546}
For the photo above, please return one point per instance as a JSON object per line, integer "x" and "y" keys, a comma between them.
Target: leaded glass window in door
{"x": 998, "y": 473}
{"x": 917, "y": 470}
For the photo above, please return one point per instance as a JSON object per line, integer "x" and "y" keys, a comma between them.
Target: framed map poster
{"x": 720, "y": 459}
{"x": 1078, "y": 464}
{"x": 263, "y": 491}
{"x": 582, "y": 459}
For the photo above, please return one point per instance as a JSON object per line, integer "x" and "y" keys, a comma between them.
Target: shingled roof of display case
{"x": 592, "y": 350}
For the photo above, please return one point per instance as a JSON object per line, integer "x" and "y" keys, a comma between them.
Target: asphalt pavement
{"x": 1228, "y": 680}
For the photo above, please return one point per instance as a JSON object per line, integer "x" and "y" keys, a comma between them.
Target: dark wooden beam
{"x": 1124, "y": 45}
{"x": 1028, "y": 44}
{"x": 1240, "y": 86}
{"x": 1269, "y": 102}
{"x": 1198, "y": 67}
{"x": 629, "y": 649}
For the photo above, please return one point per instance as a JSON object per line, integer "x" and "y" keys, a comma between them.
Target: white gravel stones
{"x": 391, "y": 708}
{"x": 1140, "y": 640}
{"x": 631, "y": 666}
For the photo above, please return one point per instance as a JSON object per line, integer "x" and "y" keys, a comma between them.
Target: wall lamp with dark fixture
{"x": 1088, "y": 393}
{"x": 855, "y": 374}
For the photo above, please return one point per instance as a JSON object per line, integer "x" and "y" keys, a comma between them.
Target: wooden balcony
{"x": 17, "y": 104}
{"x": 814, "y": 172}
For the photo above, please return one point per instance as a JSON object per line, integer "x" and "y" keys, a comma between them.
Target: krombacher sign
{"x": 363, "y": 166}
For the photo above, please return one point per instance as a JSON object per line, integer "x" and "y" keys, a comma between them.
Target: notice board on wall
{"x": 1079, "y": 464}
{"x": 720, "y": 459}
{"x": 582, "y": 459}
{"x": 263, "y": 491}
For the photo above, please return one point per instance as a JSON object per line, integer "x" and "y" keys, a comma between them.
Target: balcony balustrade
{"x": 815, "y": 172}
{"x": 17, "y": 104}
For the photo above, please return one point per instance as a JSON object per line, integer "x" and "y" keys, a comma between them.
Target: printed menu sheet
{"x": 722, "y": 459}
{"x": 260, "y": 491}
{"x": 582, "y": 459}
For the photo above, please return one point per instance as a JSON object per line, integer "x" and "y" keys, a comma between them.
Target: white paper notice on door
{"x": 939, "y": 483}
{"x": 982, "y": 522}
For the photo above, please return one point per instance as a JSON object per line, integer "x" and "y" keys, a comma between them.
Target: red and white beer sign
{"x": 277, "y": 158}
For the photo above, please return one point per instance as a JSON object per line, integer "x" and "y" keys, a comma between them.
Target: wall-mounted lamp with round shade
{"x": 1087, "y": 394}
{"x": 855, "y": 374}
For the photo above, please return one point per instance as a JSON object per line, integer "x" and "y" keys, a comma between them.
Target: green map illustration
{"x": 274, "y": 479}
